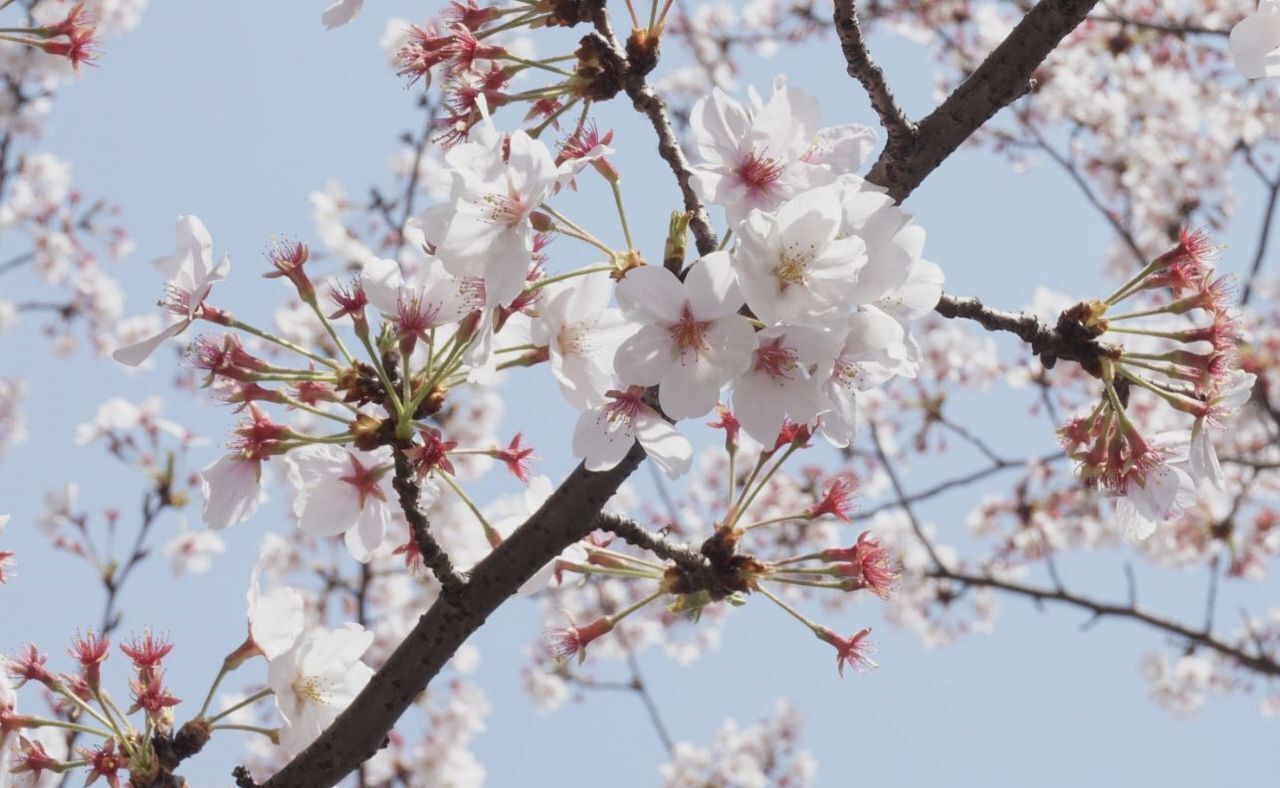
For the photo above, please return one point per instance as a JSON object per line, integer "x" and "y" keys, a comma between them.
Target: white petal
{"x": 651, "y": 294}
{"x": 232, "y": 488}
{"x": 668, "y": 449}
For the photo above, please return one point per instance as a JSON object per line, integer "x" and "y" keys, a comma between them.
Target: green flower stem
{"x": 284, "y": 343}
{"x": 252, "y": 699}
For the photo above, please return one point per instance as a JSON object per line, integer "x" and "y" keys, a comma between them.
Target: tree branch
{"x": 1261, "y": 663}
{"x": 433, "y": 555}
{"x": 900, "y": 131}
{"x": 1068, "y": 340}
{"x": 1002, "y": 78}
{"x": 648, "y": 103}
{"x": 567, "y": 516}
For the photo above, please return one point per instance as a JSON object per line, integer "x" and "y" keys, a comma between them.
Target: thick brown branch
{"x": 899, "y": 130}
{"x": 1002, "y": 78}
{"x": 433, "y": 555}
{"x": 567, "y": 516}
{"x": 1262, "y": 663}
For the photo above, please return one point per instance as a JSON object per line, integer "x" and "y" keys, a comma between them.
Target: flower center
{"x": 774, "y": 360}
{"x": 504, "y": 209}
{"x": 624, "y": 407}
{"x": 576, "y": 339}
{"x": 759, "y": 172}
{"x": 793, "y": 264}
{"x": 689, "y": 334}
{"x": 310, "y": 688}
{"x": 849, "y": 374}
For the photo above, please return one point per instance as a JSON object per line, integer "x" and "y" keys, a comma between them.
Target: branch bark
{"x": 567, "y": 516}
{"x": 1067, "y": 341}
{"x": 1000, "y": 80}
{"x": 900, "y": 132}
{"x": 433, "y": 555}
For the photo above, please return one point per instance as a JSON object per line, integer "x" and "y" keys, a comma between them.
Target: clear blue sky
{"x": 235, "y": 110}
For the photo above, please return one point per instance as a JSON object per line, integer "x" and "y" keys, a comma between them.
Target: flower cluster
{"x": 1187, "y": 358}
{"x": 82, "y": 705}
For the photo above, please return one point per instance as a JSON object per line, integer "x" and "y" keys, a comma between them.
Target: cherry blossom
{"x": 485, "y": 229}
{"x": 606, "y": 433}
{"x": 341, "y": 12}
{"x": 191, "y": 552}
{"x": 874, "y": 351}
{"x": 691, "y": 339}
{"x": 342, "y": 491}
{"x": 581, "y": 333}
{"x": 795, "y": 266}
{"x": 276, "y": 619}
{"x": 316, "y": 679}
{"x": 757, "y": 158}
{"x": 190, "y": 274}
{"x": 1255, "y": 42}
{"x": 788, "y": 367}
{"x": 428, "y": 299}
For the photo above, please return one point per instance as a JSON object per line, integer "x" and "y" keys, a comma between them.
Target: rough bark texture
{"x": 1003, "y": 77}
{"x": 567, "y": 516}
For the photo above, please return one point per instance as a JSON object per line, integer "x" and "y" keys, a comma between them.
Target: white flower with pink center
{"x": 426, "y": 299}
{"x": 606, "y": 433}
{"x": 873, "y": 352}
{"x": 691, "y": 340}
{"x": 795, "y": 266}
{"x": 788, "y": 367}
{"x": 757, "y": 158}
{"x": 340, "y": 491}
{"x": 485, "y": 230}
{"x": 190, "y": 274}
{"x": 581, "y": 334}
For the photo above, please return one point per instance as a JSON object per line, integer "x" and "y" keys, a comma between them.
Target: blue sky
{"x": 235, "y": 110}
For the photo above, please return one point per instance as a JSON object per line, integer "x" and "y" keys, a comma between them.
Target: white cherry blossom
{"x": 1255, "y": 42}
{"x": 316, "y": 679}
{"x": 873, "y": 352}
{"x": 190, "y": 274}
{"x": 276, "y": 617}
{"x": 691, "y": 339}
{"x": 788, "y": 367}
{"x": 232, "y": 486}
{"x": 485, "y": 229}
{"x": 755, "y": 159}
{"x": 606, "y": 433}
{"x": 795, "y": 266}
{"x": 581, "y": 334}
{"x": 341, "y": 12}
{"x": 191, "y": 552}
{"x": 340, "y": 491}
{"x": 427, "y": 298}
